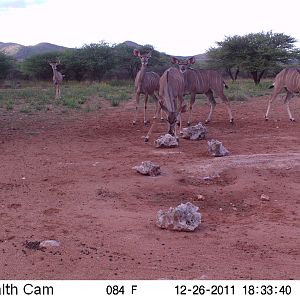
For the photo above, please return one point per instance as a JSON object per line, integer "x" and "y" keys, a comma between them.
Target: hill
{"x": 21, "y": 52}
{"x": 199, "y": 57}
{"x": 132, "y": 44}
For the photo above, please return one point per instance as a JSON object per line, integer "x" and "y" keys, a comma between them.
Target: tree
{"x": 228, "y": 55}
{"x": 6, "y": 65}
{"x": 126, "y": 65}
{"x": 73, "y": 65}
{"x": 37, "y": 66}
{"x": 96, "y": 59}
{"x": 94, "y": 62}
{"x": 256, "y": 53}
{"x": 89, "y": 62}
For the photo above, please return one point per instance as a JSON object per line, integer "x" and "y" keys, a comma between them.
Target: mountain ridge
{"x": 21, "y": 52}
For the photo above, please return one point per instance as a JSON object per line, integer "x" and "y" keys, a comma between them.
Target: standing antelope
{"x": 205, "y": 82}
{"x": 146, "y": 83}
{"x": 289, "y": 79}
{"x": 171, "y": 90}
{"x": 57, "y": 78}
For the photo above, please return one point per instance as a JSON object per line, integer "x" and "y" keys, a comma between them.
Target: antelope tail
{"x": 225, "y": 85}
{"x": 271, "y": 86}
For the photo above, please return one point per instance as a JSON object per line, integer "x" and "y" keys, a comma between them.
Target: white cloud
{"x": 12, "y": 4}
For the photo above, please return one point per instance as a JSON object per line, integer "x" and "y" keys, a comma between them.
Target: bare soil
{"x": 68, "y": 177}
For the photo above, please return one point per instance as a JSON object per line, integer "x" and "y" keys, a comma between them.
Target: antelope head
{"x": 54, "y": 64}
{"x": 183, "y": 64}
{"x": 173, "y": 116}
{"x": 144, "y": 58}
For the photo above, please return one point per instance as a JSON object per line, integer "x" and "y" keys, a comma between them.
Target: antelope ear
{"x": 136, "y": 52}
{"x": 149, "y": 54}
{"x": 174, "y": 60}
{"x": 191, "y": 60}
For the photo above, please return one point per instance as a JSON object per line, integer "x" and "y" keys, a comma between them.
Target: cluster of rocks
{"x": 184, "y": 217}
{"x": 197, "y": 132}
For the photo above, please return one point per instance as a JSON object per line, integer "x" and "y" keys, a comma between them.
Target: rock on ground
{"x": 216, "y": 148}
{"x": 148, "y": 168}
{"x": 49, "y": 243}
{"x": 184, "y": 217}
{"x": 197, "y": 132}
{"x": 166, "y": 141}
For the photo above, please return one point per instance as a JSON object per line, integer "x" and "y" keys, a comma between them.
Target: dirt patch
{"x": 285, "y": 161}
{"x": 68, "y": 177}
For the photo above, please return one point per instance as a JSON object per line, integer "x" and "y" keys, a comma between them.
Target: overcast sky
{"x": 185, "y": 27}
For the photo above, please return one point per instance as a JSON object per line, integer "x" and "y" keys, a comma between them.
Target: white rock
{"x": 184, "y": 217}
{"x": 264, "y": 197}
{"x": 200, "y": 197}
{"x": 166, "y": 141}
{"x": 148, "y": 168}
{"x": 216, "y": 148}
{"x": 49, "y": 243}
{"x": 197, "y": 132}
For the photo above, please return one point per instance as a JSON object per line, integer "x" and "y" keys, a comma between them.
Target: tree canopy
{"x": 255, "y": 53}
{"x": 6, "y": 65}
{"x": 95, "y": 62}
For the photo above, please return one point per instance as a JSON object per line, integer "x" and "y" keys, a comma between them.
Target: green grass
{"x": 116, "y": 91}
{"x": 9, "y": 105}
{"x": 243, "y": 89}
{"x": 38, "y": 96}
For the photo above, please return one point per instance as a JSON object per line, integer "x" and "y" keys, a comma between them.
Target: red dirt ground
{"x": 69, "y": 177}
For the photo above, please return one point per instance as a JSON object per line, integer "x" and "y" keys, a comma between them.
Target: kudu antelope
{"x": 146, "y": 83}
{"x": 288, "y": 79}
{"x": 57, "y": 78}
{"x": 171, "y": 89}
{"x": 208, "y": 82}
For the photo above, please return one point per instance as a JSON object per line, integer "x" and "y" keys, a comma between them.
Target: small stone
{"x": 216, "y": 148}
{"x": 49, "y": 243}
{"x": 166, "y": 141}
{"x": 148, "y": 168}
{"x": 200, "y": 197}
{"x": 184, "y": 217}
{"x": 197, "y": 132}
{"x": 265, "y": 197}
